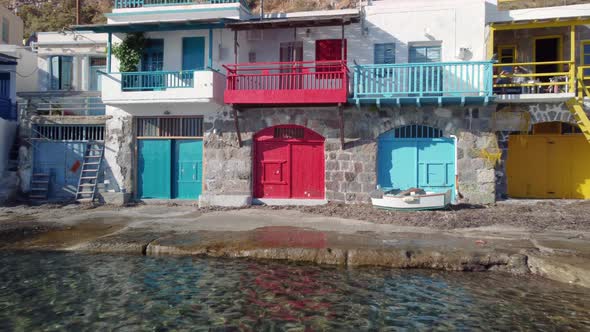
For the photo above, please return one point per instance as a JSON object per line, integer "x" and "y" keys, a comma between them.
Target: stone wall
{"x": 119, "y": 156}
{"x": 350, "y": 173}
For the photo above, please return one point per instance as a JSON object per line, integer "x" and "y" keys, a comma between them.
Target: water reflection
{"x": 42, "y": 291}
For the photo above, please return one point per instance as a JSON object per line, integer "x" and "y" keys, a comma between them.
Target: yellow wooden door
{"x": 548, "y": 166}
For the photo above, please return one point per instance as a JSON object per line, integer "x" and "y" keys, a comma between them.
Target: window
{"x": 507, "y": 54}
{"x": 60, "y": 72}
{"x": 585, "y": 56}
{"x": 384, "y": 53}
{"x": 424, "y": 54}
{"x": 330, "y": 50}
{"x": 5, "y": 30}
{"x": 153, "y": 55}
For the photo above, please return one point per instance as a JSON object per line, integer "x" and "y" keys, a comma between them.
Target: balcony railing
{"x": 313, "y": 82}
{"x": 155, "y": 3}
{"x": 157, "y": 80}
{"x": 7, "y": 109}
{"x": 385, "y": 82}
{"x": 61, "y": 103}
{"x": 534, "y": 78}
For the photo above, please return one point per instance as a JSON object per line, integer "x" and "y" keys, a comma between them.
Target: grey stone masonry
{"x": 351, "y": 173}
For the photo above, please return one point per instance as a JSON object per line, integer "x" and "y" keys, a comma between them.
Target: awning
{"x": 6, "y": 59}
{"x": 296, "y": 22}
{"x": 129, "y": 27}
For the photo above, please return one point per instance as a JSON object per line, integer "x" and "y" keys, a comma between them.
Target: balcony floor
{"x": 534, "y": 98}
{"x": 420, "y": 101}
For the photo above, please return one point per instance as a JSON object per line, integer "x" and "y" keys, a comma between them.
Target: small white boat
{"x": 413, "y": 201}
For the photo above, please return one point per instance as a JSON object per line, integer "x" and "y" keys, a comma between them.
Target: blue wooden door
{"x": 193, "y": 53}
{"x": 154, "y": 169}
{"x": 416, "y": 162}
{"x": 188, "y": 165}
{"x": 63, "y": 162}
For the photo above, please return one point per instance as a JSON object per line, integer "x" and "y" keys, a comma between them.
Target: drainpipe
{"x": 456, "y": 167}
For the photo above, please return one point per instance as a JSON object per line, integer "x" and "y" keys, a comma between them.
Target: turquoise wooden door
{"x": 193, "y": 53}
{"x": 188, "y": 165}
{"x": 154, "y": 169}
{"x": 419, "y": 158}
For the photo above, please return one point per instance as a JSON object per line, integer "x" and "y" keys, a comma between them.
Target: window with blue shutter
{"x": 384, "y": 53}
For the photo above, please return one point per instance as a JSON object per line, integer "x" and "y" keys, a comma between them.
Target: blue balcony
{"x": 156, "y": 3}
{"x": 157, "y": 80}
{"x": 423, "y": 83}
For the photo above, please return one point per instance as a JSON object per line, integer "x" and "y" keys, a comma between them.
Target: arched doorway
{"x": 289, "y": 163}
{"x": 551, "y": 161}
{"x": 416, "y": 156}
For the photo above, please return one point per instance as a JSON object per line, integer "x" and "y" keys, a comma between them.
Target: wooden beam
{"x": 237, "y": 124}
{"x": 490, "y": 49}
{"x": 572, "y": 69}
{"x": 535, "y": 25}
{"x": 341, "y": 114}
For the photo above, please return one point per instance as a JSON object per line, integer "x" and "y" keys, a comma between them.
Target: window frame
{"x": 375, "y": 45}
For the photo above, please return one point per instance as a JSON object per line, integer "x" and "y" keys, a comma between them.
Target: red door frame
{"x": 309, "y": 137}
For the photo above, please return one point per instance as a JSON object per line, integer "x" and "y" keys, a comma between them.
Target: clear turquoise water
{"x": 74, "y": 292}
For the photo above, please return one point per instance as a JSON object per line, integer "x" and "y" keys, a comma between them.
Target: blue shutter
{"x": 384, "y": 53}
{"x": 67, "y": 64}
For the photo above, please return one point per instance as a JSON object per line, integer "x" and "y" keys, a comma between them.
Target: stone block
{"x": 237, "y": 201}
{"x": 350, "y": 197}
{"x": 344, "y": 156}
{"x": 358, "y": 167}
{"x": 349, "y": 176}
{"x": 346, "y": 165}
{"x": 363, "y": 198}
{"x": 339, "y": 197}
{"x": 333, "y": 185}
{"x": 486, "y": 176}
{"x": 332, "y": 165}
{"x": 338, "y": 176}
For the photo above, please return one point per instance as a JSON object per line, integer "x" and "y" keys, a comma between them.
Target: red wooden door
{"x": 273, "y": 169}
{"x": 289, "y": 163}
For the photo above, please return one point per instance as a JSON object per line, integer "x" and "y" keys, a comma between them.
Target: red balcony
{"x": 287, "y": 83}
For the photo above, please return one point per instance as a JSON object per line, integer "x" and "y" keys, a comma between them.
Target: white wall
{"x": 15, "y": 29}
{"x": 81, "y": 45}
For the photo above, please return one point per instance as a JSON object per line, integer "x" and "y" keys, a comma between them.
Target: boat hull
{"x": 429, "y": 201}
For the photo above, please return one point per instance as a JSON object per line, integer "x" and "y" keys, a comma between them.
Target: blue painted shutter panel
{"x": 67, "y": 65}
{"x": 193, "y": 53}
{"x": 54, "y": 73}
{"x": 384, "y": 53}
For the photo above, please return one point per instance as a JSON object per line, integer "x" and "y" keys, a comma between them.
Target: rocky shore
{"x": 554, "y": 252}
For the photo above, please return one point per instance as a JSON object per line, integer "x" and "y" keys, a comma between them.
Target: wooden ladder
{"x": 39, "y": 186}
{"x": 577, "y": 109}
{"x": 90, "y": 171}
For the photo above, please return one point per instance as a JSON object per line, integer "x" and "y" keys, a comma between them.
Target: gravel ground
{"x": 533, "y": 215}
{"x": 537, "y": 216}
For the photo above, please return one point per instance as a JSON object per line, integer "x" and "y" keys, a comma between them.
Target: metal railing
{"x": 155, "y": 3}
{"x": 287, "y": 82}
{"x": 531, "y": 78}
{"x": 310, "y": 75}
{"x": 437, "y": 79}
{"x": 583, "y": 76}
{"x": 157, "y": 80}
{"x": 61, "y": 104}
